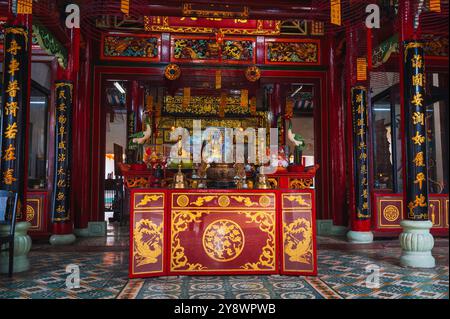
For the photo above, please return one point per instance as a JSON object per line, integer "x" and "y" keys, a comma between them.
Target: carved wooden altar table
{"x": 222, "y": 232}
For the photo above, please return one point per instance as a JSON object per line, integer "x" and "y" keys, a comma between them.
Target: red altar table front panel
{"x": 222, "y": 232}
{"x": 147, "y": 234}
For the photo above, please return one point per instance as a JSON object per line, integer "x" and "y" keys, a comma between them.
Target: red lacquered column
{"x": 358, "y": 173}
{"x": 62, "y": 197}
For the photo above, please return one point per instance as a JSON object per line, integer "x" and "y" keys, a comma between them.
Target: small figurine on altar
{"x": 137, "y": 140}
{"x": 299, "y": 143}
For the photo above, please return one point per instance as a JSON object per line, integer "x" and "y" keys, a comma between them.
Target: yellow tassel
{"x": 125, "y": 6}
{"x": 244, "y": 98}
{"x": 186, "y": 97}
{"x": 435, "y": 5}
{"x": 218, "y": 79}
{"x": 361, "y": 69}
{"x": 336, "y": 12}
{"x": 253, "y": 105}
{"x": 25, "y": 6}
{"x": 223, "y": 102}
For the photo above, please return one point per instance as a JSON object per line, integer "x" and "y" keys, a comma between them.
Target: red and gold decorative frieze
{"x": 203, "y": 49}
{"x": 131, "y": 47}
{"x": 211, "y": 25}
{"x": 290, "y": 51}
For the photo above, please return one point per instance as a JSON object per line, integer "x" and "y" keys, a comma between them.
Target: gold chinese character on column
{"x": 12, "y": 89}
{"x": 417, "y": 61}
{"x": 420, "y": 201}
{"x": 8, "y": 177}
{"x": 62, "y": 145}
{"x": 417, "y": 79}
{"x": 62, "y": 119}
{"x": 61, "y": 157}
{"x": 60, "y": 196}
{"x": 419, "y": 159}
{"x": 418, "y": 139}
{"x": 10, "y": 154}
{"x": 11, "y": 108}
{"x": 13, "y": 47}
{"x": 11, "y": 131}
{"x": 61, "y": 183}
{"x": 420, "y": 178}
{"x": 418, "y": 118}
{"x": 13, "y": 67}
{"x": 417, "y": 99}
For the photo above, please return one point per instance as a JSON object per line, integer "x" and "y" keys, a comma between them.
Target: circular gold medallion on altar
{"x": 223, "y": 240}
{"x": 391, "y": 213}
{"x": 182, "y": 200}
{"x": 224, "y": 201}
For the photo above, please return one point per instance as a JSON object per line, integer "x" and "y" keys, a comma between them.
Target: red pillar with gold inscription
{"x": 62, "y": 220}
{"x": 13, "y": 139}
{"x": 360, "y": 222}
{"x": 416, "y": 240}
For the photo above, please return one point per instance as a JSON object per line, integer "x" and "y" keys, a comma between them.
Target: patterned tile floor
{"x": 342, "y": 274}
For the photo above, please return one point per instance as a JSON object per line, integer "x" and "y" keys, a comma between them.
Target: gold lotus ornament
{"x": 252, "y": 73}
{"x": 172, "y": 71}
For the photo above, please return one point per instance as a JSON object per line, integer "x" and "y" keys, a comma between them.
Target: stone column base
{"x": 360, "y": 237}
{"x": 416, "y": 242}
{"x": 22, "y": 245}
{"x": 65, "y": 239}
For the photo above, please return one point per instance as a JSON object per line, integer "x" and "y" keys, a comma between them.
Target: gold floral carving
{"x": 202, "y": 200}
{"x": 30, "y": 213}
{"x": 299, "y": 199}
{"x": 298, "y": 240}
{"x": 273, "y": 182}
{"x": 244, "y": 199}
{"x": 134, "y": 182}
{"x": 391, "y": 213}
{"x": 180, "y": 222}
{"x": 266, "y": 223}
{"x": 147, "y": 238}
{"x": 301, "y": 183}
{"x": 148, "y": 199}
{"x": 223, "y": 240}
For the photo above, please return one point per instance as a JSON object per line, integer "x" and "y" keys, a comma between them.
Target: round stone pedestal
{"x": 65, "y": 239}
{"x": 417, "y": 242}
{"x": 360, "y": 237}
{"x": 22, "y": 245}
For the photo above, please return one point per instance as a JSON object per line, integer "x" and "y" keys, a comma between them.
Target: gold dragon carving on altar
{"x": 147, "y": 238}
{"x": 298, "y": 240}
